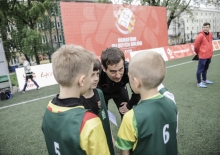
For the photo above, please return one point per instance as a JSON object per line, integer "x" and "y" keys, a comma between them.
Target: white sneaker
{"x": 38, "y": 88}
{"x": 23, "y": 92}
{"x": 201, "y": 85}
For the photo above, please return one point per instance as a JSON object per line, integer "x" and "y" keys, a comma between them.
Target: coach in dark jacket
{"x": 113, "y": 79}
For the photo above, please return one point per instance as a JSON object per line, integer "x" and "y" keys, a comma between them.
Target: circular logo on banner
{"x": 170, "y": 52}
{"x": 192, "y": 47}
{"x": 125, "y": 20}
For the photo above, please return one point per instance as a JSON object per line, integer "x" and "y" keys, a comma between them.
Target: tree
{"x": 174, "y": 7}
{"x": 29, "y": 13}
{"x": 23, "y": 16}
{"x": 5, "y": 28}
{"x": 46, "y": 27}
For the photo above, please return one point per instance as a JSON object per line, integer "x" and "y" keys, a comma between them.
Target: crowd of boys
{"x": 76, "y": 120}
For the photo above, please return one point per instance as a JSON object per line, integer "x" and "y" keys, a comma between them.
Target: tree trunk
{"x": 34, "y": 47}
{"x": 27, "y": 58}
{"x": 36, "y": 55}
{"x": 168, "y": 23}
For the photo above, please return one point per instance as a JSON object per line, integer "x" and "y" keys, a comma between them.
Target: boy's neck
{"x": 89, "y": 93}
{"x": 145, "y": 94}
{"x": 69, "y": 92}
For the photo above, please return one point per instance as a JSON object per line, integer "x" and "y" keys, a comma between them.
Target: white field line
{"x": 55, "y": 94}
{"x": 186, "y": 62}
{"x": 27, "y": 101}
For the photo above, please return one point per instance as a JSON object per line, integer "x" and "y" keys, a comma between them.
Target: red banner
{"x": 179, "y": 51}
{"x": 216, "y": 44}
{"x": 98, "y": 26}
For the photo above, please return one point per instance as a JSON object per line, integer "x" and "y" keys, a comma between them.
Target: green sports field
{"x": 199, "y": 113}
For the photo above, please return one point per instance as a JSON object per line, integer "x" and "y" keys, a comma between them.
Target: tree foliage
{"x": 23, "y": 16}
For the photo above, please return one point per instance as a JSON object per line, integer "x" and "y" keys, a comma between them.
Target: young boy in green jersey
{"x": 94, "y": 101}
{"x": 69, "y": 128}
{"x": 150, "y": 127}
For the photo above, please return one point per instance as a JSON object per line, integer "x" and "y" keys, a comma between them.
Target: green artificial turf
{"x": 199, "y": 113}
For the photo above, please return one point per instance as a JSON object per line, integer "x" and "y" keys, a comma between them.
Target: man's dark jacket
{"x": 109, "y": 87}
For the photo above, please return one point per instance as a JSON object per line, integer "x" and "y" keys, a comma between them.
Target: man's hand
{"x": 124, "y": 108}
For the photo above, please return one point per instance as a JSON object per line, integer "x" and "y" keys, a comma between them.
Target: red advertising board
{"x": 179, "y": 51}
{"x": 216, "y": 44}
{"x": 97, "y": 26}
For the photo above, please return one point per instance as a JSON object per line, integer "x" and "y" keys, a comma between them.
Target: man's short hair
{"x": 97, "y": 65}
{"x": 206, "y": 23}
{"x": 69, "y": 61}
{"x": 111, "y": 56}
{"x": 149, "y": 67}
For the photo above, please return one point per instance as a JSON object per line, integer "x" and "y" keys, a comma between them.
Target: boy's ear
{"x": 137, "y": 82}
{"x": 81, "y": 80}
{"x": 103, "y": 68}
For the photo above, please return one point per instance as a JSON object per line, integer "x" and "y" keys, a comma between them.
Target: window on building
{"x": 58, "y": 24}
{"x": 60, "y": 38}
{"x": 192, "y": 28}
{"x": 38, "y": 26}
{"x": 55, "y": 38}
{"x": 201, "y": 13}
{"x": 41, "y": 26}
{"x": 10, "y": 28}
{"x": 43, "y": 39}
{"x": 187, "y": 28}
{"x": 205, "y": 14}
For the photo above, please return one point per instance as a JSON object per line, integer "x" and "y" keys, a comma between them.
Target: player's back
{"x": 70, "y": 131}
{"x": 156, "y": 121}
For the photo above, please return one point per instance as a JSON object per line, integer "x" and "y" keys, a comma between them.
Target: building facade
{"x": 185, "y": 29}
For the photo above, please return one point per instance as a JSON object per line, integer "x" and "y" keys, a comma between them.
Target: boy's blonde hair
{"x": 149, "y": 67}
{"x": 69, "y": 61}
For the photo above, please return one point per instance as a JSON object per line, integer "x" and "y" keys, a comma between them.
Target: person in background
{"x": 204, "y": 49}
{"x": 28, "y": 73}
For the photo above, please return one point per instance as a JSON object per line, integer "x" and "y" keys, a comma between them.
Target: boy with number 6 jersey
{"x": 68, "y": 128}
{"x": 150, "y": 127}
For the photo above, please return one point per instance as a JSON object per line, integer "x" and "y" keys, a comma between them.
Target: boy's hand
{"x": 125, "y": 152}
{"x": 124, "y": 108}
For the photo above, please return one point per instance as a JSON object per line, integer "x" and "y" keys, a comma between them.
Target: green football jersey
{"x": 150, "y": 128}
{"x": 156, "y": 125}
{"x": 62, "y": 131}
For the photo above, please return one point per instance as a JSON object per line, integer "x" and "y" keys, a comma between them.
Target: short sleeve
{"x": 127, "y": 134}
{"x": 92, "y": 137}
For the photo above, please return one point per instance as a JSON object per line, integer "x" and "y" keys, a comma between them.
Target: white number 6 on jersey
{"x": 166, "y": 134}
{"x": 56, "y": 147}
